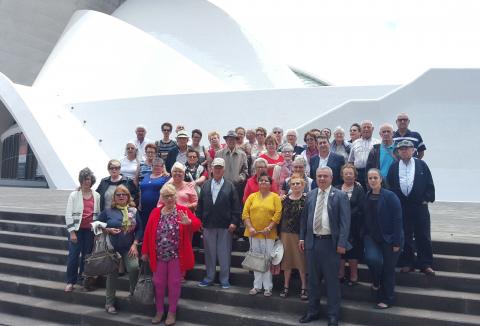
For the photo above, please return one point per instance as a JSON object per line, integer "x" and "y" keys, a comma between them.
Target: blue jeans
{"x": 84, "y": 247}
{"x": 381, "y": 261}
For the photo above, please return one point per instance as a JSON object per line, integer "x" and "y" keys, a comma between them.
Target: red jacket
{"x": 185, "y": 251}
{"x": 252, "y": 186}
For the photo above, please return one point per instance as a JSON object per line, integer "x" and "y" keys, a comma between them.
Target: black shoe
{"x": 332, "y": 321}
{"x": 308, "y": 317}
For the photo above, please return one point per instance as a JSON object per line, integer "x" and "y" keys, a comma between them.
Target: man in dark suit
{"x": 412, "y": 182}
{"x": 326, "y": 158}
{"x": 324, "y": 228}
{"x": 219, "y": 209}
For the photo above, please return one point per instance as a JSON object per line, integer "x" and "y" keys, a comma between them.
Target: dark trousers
{"x": 83, "y": 247}
{"x": 416, "y": 225}
{"x": 323, "y": 262}
{"x": 362, "y": 177}
{"x": 381, "y": 261}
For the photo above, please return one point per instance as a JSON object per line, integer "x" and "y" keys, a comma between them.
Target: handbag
{"x": 103, "y": 260}
{"x": 256, "y": 261}
{"x": 144, "y": 290}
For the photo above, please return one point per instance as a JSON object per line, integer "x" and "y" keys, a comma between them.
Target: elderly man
{"x": 179, "y": 152}
{"x": 235, "y": 162}
{"x": 292, "y": 140}
{"x": 326, "y": 158}
{"x": 140, "y": 141}
{"x": 324, "y": 228}
{"x": 411, "y": 180}
{"x": 382, "y": 155}
{"x": 361, "y": 149}
{"x": 403, "y": 133}
{"x": 219, "y": 209}
{"x": 165, "y": 145}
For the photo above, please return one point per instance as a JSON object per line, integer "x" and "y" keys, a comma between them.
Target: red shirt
{"x": 185, "y": 251}
{"x": 87, "y": 215}
{"x": 252, "y": 186}
{"x": 272, "y": 161}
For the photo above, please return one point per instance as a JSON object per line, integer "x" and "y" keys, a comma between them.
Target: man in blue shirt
{"x": 382, "y": 155}
{"x": 403, "y": 133}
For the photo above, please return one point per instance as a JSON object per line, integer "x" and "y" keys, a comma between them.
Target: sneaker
{"x": 69, "y": 287}
{"x": 225, "y": 286}
{"x": 205, "y": 283}
{"x": 110, "y": 309}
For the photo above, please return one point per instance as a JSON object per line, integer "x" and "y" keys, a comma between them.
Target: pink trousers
{"x": 167, "y": 274}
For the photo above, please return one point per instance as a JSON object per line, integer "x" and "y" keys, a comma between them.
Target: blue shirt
{"x": 215, "y": 188}
{"x": 386, "y": 158}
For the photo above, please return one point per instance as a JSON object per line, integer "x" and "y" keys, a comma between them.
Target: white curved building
{"x": 188, "y": 62}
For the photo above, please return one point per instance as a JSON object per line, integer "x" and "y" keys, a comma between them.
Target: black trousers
{"x": 416, "y": 226}
{"x": 323, "y": 262}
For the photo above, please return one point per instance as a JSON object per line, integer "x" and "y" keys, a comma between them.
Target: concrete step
{"x": 14, "y": 320}
{"x": 33, "y": 227}
{"x": 44, "y": 255}
{"x": 32, "y": 217}
{"x": 34, "y": 240}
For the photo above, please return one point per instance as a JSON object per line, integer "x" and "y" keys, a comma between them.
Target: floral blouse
{"x": 291, "y": 213}
{"x": 168, "y": 236}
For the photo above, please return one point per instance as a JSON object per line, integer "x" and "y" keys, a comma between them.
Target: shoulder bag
{"x": 103, "y": 260}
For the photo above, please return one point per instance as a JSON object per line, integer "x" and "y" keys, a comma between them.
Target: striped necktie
{"x": 317, "y": 223}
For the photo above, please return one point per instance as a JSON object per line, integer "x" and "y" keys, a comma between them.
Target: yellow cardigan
{"x": 261, "y": 212}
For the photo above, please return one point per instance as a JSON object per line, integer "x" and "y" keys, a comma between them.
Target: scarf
{"x": 128, "y": 220}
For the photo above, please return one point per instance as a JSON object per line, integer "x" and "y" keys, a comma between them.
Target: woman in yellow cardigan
{"x": 261, "y": 214}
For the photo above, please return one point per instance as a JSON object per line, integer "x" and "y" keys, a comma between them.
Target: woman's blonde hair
{"x": 168, "y": 189}
{"x": 122, "y": 188}
{"x": 297, "y": 176}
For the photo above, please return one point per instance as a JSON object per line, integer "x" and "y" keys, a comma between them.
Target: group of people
{"x": 329, "y": 202}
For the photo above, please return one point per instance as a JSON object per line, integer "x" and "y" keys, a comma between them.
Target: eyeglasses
{"x": 310, "y": 139}
{"x": 167, "y": 130}
{"x": 120, "y": 194}
{"x": 114, "y": 168}
{"x": 129, "y": 148}
{"x": 277, "y": 132}
{"x": 263, "y": 181}
{"x": 192, "y": 156}
{"x": 295, "y": 183}
{"x": 150, "y": 152}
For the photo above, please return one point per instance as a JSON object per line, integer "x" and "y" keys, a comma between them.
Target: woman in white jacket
{"x": 83, "y": 207}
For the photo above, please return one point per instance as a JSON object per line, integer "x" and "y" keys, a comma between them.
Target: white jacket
{"x": 74, "y": 212}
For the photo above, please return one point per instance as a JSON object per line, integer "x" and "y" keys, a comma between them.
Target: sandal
{"x": 267, "y": 293}
{"x": 304, "y": 294}
{"x": 382, "y": 305}
{"x": 284, "y": 293}
{"x": 352, "y": 283}
{"x": 110, "y": 309}
{"x": 254, "y": 291}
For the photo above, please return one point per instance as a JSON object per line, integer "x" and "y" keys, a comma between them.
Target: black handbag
{"x": 103, "y": 260}
{"x": 144, "y": 290}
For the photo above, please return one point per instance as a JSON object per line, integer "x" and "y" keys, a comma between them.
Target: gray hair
{"x": 300, "y": 159}
{"x": 178, "y": 166}
{"x": 260, "y": 160}
{"x": 277, "y": 128}
{"x": 339, "y": 129}
{"x": 292, "y": 131}
{"x": 158, "y": 160}
{"x": 386, "y": 125}
{"x": 287, "y": 148}
{"x": 364, "y": 122}
{"x": 85, "y": 173}
{"x": 326, "y": 168}
{"x": 140, "y": 127}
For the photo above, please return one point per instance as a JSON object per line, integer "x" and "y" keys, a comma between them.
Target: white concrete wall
{"x": 444, "y": 106}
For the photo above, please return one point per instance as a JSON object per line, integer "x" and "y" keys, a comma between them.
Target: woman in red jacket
{"x": 167, "y": 245}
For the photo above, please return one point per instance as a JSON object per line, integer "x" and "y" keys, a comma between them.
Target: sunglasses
{"x": 120, "y": 194}
{"x": 192, "y": 156}
{"x": 277, "y": 132}
{"x": 167, "y": 130}
{"x": 295, "y": 183}
{"x": 114, "y": 168}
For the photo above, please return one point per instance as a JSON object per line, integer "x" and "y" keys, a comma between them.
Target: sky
{"x": 364, "y": 42}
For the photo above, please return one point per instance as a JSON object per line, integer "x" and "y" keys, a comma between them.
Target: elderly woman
{"x": 356, "y": 196}
{"x": 355, "y": 132}
{"x": 293, "y": 258}
{"x": 298, "y": 166}
{"x": 383, "y": 237}
{"x": 194, "y": 171}
{"x": 145, "y": 167}
{"x": 259, "y": 167}
{"x": 259, "y": 148}
{"x": 282, "y": 171}
{"x": 83, "y": 207}
{"x": 125, "y": 230}
{"x": 186, "y": 193}
{"x": 108, "y": 184}
{"x": 310, "y": 139}
{"x": 339, "y": 145}
{"x": 129, "y": 163}
{"x": 167, "y": 246}
{"x": 201, "y": 150}
{"x": 150, "y": 189}
{"x": 271, "y": 156}
{"x": 261, "y": 214}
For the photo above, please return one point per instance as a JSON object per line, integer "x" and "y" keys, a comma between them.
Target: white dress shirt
{"x": 406, "y": 174}
{"x": 215, "y": 188}
{"x": 360, "y": 150}
{"x": 324, "y": 214}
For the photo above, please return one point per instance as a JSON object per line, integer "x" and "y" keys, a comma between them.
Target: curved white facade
{"x": 109, "y": 73}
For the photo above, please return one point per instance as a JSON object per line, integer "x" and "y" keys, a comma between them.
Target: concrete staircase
{"x": 33, "y": 249}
